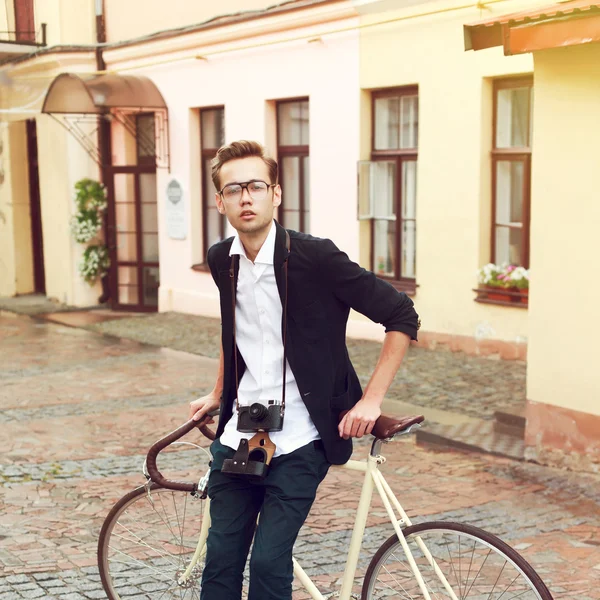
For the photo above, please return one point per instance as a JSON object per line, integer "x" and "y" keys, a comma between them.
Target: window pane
{"x": 213, "y": 226}
{"x": 384, "y": 246}
{"x": 128, "y": 275}
{"x": 513, "y": 117}
{"x": 396, "y": 122}
{"x": 150, "y": 247}
{"x": 212, "y": 126}
{"x": 128, "y": 294}
{"x": 149, "y": 218}
{"x": 409, "y": 253}
{"x": 509, "y": 192}
{"x": 124, "y": 187}
{"x": 151, "y": 283}
{"x": 290, "y": 182}
{"x": 383, "y": 186}
{"x": 126, "y": 247}
{"x": 306, "y": 172}
{"x": 409, "y": 189}
{"x": 208, "y": 182}
{"x": 292, "y": 123}
{"x": 410, "y": 122}
{"x": 387, "y": 123}
{"x": 148, "y": 187}
{"x": 509, "y": 245}
{"x": 146, "y": 137}
{"x": 125, "y": 216}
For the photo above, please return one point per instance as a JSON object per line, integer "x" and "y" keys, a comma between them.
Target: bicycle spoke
{"x": 164, "y": 521}
{"x": 469, "y": 571}
{"x": 136, "y": 562}
{"x": 497, "y": 579}
{"x": 142, "y": 543}
{"x": 480, "y": 568}
{"x": 452, "y": 564}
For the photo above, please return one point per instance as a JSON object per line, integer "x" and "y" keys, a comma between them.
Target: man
{"x": 320, "y": 382}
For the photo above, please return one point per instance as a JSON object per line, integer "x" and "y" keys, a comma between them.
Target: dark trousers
{"x": 283, "y": 500}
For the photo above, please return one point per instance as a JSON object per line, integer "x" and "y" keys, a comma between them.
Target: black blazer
{"x": 323, "y": 285}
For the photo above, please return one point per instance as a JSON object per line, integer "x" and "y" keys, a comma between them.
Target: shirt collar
{"x": 265, "y": 254}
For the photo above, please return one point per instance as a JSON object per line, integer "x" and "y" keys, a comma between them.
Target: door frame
{"x": 35, "y": 209}
{"x": 135, "y": 170}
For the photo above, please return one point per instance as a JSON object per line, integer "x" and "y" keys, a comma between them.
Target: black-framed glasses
{"x": 257, "y": 190}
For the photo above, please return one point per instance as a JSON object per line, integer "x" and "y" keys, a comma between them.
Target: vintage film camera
{"x": 253, "y": 456}
{"x": 258, "y": 417}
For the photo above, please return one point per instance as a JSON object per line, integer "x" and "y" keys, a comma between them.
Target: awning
{"x": 95, "y": 94}
{"x": 558, "y": 25}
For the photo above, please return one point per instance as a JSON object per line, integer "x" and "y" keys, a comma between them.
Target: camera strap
{"x": 235, "y": 261}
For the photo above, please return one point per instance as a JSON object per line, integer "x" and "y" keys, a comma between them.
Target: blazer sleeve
{"x": 363, "y": 291}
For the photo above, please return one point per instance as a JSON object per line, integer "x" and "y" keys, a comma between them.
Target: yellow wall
{"x": 563, "y": 353}
{"x": 16, "y": 262}
{"x": 69, "y": 163}
{"x": 7, "y": 246}
{"x": 454, "y": 165}
{"x": 69, "y": 21}
{"x": 134, "y": 18}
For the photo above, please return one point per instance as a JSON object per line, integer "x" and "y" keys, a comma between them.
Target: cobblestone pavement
{"x": 79, "y": 410}
{"x": 441, "y": 379}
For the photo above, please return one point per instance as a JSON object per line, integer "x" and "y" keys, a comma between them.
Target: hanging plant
{"x": 86, "y": 224}
{"x": 95, "y": 263}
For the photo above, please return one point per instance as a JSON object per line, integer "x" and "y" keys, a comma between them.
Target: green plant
{"x": 86, "y": 224}
{"x": 95, "y": 263}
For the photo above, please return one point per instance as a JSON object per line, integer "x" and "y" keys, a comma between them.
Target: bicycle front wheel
{"x": 476, "y": 565}
{"x": 146, "y": 543}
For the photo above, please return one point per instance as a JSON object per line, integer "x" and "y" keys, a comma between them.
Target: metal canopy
{"x": 97, "y": 94}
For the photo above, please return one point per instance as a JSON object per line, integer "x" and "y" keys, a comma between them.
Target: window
{"x": 511, "y": 171}
{"x": 145, "y": 136}
{"x": 212, "y": 137}
{"x": 292, "y": 153}
{"x": 388, "y": 185}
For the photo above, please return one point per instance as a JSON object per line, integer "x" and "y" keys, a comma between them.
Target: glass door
{"x": 134, "y": 244}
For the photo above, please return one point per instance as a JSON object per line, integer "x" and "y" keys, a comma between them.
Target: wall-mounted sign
{"x": 176, "y": 215}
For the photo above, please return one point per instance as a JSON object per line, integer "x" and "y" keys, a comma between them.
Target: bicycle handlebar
{"x": 155, "y": 474}
{"x": 385, "y": 428}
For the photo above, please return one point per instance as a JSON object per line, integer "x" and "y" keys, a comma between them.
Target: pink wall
{"x": 246, "y": 83}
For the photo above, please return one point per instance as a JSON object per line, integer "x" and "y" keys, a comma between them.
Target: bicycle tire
{"x": 524, "y": 572}
{"x": 147, "y": 572}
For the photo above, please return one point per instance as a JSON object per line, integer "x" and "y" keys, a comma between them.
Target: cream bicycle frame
{"x": 373, "y": 480}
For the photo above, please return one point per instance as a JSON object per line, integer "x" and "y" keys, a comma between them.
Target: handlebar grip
{"x": 155, "y": 474}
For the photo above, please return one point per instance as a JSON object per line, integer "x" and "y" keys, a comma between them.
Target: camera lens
{"x": 258, "y": 411}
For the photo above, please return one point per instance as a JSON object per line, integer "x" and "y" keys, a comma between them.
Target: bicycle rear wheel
{"x": 146, "y": 543}
{"x": 476, "y": 564}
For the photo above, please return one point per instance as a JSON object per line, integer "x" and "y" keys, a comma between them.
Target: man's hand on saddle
{"x": 361, "y": 419}
{"x": 201, "y": 406}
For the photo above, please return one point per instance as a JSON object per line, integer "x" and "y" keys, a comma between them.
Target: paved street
{"x": 80, "y": 409}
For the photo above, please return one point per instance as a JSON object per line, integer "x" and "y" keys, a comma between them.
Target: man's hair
{"x": 241, "y": 149}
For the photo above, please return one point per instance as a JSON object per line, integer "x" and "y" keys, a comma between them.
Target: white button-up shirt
{"x": 258, "y": 314}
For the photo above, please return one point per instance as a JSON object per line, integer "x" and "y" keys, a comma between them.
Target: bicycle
{"x": 145, "y": 546}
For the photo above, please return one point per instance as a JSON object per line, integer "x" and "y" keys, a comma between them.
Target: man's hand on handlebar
{"x": 200, "y": 407}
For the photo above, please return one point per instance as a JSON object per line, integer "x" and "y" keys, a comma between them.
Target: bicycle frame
{"x": 373, "y": 480}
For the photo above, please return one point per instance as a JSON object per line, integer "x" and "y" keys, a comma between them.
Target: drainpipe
{"x": 104, "y": 144}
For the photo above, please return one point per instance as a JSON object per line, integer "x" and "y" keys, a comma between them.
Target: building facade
{"x": 422, "y": 161}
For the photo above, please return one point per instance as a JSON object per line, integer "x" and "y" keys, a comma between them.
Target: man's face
{"x": 249, "y": 209}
